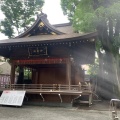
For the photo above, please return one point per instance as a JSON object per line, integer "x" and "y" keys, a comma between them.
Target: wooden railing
{"x": 57, "y": 89}
{"x": 46, "y": 87}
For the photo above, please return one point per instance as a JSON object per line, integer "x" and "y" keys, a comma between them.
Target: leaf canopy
{"x": 19, "y": 15}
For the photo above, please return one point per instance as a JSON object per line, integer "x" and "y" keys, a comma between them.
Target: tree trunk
{"x": 109, "y": 84}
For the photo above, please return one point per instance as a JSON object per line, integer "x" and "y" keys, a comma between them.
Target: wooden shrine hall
{"x": 51, "y": 56}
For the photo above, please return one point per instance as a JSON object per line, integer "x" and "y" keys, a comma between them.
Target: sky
{"x": 53, "y": 9}
{"x": 54, "y": 13}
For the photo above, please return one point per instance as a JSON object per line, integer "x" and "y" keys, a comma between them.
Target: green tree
{"x": 102, "y": 16}
{"x": 19, "y": 15}
{"x": 93, "y": 69}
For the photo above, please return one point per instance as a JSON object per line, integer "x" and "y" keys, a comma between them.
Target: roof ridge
{"x": 40, "y": 17}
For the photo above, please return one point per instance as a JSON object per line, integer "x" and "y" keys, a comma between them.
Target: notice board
{"x": 12, "y": 97}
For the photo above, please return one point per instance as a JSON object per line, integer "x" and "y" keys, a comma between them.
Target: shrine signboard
{"x": 12, "y": 98}
{"x": 36, "y": 51}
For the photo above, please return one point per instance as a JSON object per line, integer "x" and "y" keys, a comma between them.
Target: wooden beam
{"x": 41, "y": 61}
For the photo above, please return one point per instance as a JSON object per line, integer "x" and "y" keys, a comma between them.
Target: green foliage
{"x": 19, "y": 15}
{"x": 98, "y": 45}
{"x": 7, "y": 29}
{"x": 116, "y": 45}
{"x": 27, "y": 74}
{"x": 95, "y": 15}
{"x": 102, "y": 16}
{"x": 93, "y": 68}
{"x": 69, "y": 7}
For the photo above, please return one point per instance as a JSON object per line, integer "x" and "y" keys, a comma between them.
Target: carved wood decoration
{"x": 41, "y": 61}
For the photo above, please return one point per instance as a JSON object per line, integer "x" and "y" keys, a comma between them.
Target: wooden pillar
{"x": 21, "y": 75}
{"x": 68, "y": 73}
{"x": 36, "y": 77}
{"x": 39, "y": 76}
{"x": 33, "y": 76}
{"x": 12, "y": 77}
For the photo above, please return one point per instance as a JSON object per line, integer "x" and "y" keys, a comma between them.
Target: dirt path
{"x": 52, "y": 113}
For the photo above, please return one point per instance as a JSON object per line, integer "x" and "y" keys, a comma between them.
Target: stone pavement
{"x": 98, "y": 111}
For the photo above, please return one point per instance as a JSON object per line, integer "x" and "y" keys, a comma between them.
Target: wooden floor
{"x": 58, "y": 89}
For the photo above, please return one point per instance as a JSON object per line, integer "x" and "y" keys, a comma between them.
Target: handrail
{"x": 44, "y": 87}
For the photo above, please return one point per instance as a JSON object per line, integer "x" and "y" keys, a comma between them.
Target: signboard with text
{"x": 13, "y": 98}
{"x": 36, "y": 51}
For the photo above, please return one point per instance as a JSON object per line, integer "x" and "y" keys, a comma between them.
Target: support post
{"x": 68, "y": 73}
{"x": 42, "y": 97}
{"x": 36, "y": 77}
{"x": 21, "y": 75}
{"x": 12, "y": 77}
{"x": 60, "y": 98}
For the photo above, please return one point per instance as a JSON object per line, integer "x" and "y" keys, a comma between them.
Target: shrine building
{"x": 49, "y": 58}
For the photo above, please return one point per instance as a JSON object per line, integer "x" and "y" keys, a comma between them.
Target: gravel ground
{"x": 53, "y": 113}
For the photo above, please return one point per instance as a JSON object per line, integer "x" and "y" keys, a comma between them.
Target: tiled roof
{"x": 49, "y": 38}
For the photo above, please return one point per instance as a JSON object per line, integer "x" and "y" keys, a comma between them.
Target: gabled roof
{"x": 43, "y": 32}
{"x": 41, "y": 26}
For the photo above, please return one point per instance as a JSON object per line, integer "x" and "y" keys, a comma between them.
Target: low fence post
{"x": 59, "y": 87}
{"x": 79, "y": 87}
{"x": 10, "y": 86}
{"x": 40, "y": 86}
{"x": 89, "y": 86}
{"x": 23, "y": 86}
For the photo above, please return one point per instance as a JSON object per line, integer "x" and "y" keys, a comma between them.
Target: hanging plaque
{"x": 36, "y": 51}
